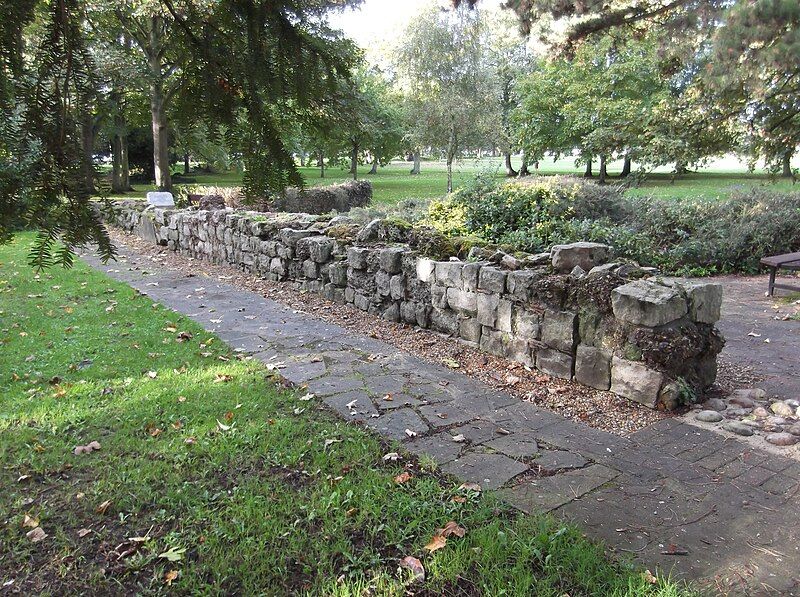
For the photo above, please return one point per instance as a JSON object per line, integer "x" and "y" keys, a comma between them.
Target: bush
{"x": 687, "y": 237}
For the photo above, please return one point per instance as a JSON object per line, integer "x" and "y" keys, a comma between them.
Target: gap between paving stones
{"x": 729, "y": 508}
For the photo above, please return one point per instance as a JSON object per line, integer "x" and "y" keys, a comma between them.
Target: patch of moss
{"x": 631, "y": 352}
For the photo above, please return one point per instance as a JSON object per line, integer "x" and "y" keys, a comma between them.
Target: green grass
{"x": 393, "y": 182}
{"x": 210, "y": 462}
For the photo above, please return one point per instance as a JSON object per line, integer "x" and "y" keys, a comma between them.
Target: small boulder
{"x": 583, "y": 254}
{"x": 708, "y": 416}
{"x": 782, "y": 409}
{"x": 211, "y": 202}
{"x": 794, "y": 429}
{"x": 715, "y": 404}
{"x": 760, "y": 412}
{"x": 782, "y": 439}
{"x": 646, "y": 303}
{"x": 738, "y": 428}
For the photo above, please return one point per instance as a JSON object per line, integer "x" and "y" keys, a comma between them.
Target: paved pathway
{"x": 757, "y": 335}
{"x": 674, "y": 496}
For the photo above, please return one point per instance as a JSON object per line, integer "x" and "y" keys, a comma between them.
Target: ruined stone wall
{"x": 573, "y": 313}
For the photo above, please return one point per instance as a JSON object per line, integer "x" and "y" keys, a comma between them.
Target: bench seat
{"x": 788, "y": 261}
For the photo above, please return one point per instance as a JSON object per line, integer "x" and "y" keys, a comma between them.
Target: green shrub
{"x": 687, "y": 237}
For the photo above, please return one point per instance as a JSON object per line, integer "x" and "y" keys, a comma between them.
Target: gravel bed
{"x": 595, "y": 408}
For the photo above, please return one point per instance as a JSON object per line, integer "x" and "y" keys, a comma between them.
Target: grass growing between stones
{"x": 211, "y": 478}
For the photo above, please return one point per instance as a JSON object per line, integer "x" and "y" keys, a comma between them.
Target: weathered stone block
{"x": 448, "y": 273}
{"x": 584, "y": 255}
{"x": 526, "y": 324}
{"x": 635, "y": 381}
{"x": 290, "y": 236}
{"x": 392, "y": 312}
{"x": 520, "y": 351}
{"x": 503, "y": 321}
{"x": 337, "y": 272}
{"x": 445, "y": 321}
{"x": 357, "y": 257}
{"x": 487, "y": 308}
{"x": 469, "y": 276}
{"x": 646, "y": 303}
{"x": 310, "y": 269}
{"x": 493, "y": 342}
{"x": 439, "y": 296}
{"x": 593, "y": 367}
{"x": 425, "y": 268}
{"x": 382, "y": 280}
{"x": 390, "y": 260}
{"x": 462, "y": 301}
{"x": 521, "y": 282}
{"x": 704, "y": 298}
{"x": 554, "y": 362}
{"x": 492, "y": 280}
{"x": 397, "y": 287}
{"x": 558, "y": 330}
{"x": 470, "y": 330}
{"x": 321, "y": 249}
{"x": 408, "y": 312}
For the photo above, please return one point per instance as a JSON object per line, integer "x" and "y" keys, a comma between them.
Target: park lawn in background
{"x": 393, "y": 183}
{"x": 212, "y": 478}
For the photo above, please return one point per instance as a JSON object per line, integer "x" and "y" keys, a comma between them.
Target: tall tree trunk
{"x": 523, "y": 169}
{"x": 87, "y": 142}
{"x": 509, "y": 168}
{"x": 125, "y": 178}
{"x": 302, "y": 159}
{"x": 415, "y": 169}
{"x": 186, "y": 166}
{"x": 588, "y": 172}
{"x": 680, "y": 168}
{"x": 116, "y": 165}
{"x": 354, "y": 161}
{"x": 160, "y": 140}
{"x": 603, "y": 171}
{"x": 451, "y": 154}
{"x": 321, "y": 163}
{"x": 787, "y": 165}
{"x": 374, "y": 169}
{"x": 626, "y": 167}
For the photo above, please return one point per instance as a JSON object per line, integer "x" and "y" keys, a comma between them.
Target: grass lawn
{"x": 393, "y": 182}
{"x": 213, "y": 479}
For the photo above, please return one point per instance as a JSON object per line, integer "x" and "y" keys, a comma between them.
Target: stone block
{"x": 593, "y": 367}
{"x": 392, "y": 312}
{"x": 526, "y": 324}
{"x": 558, "y": 330}
{"x": 321, "y": 249}
{"x": 408, "y": 312}
{"x": 397, "y": 287}
{"x": 425, "y": 268}
{"x": 391, "y": 260}
{"x": 635, "y": 381}
{"x": 493, "y": 342}
{"x": 424, "y": 315}
{"x": 469, "y": 276}
{"x": 487, "y": 308}
{"x": 357, "y": 257}
{"x": 337, "y": 272}
{"x": 462, "y": 301}
{"x": 554, "y": 362}
{"x": 704, "y": 298}
{"x": 470, "y": 330}
{"x": 503, "y": 321}
{"x": 520, "y": 283}
{"x": 448, "y": 273}
{"x": 439, "y": 296}
{"x": 520, "y": 351}
{"x": 583, "y": 254}
{"x": 290, "y": 236}
{"x": 361, "y": 302}
{"x": 160, "y": 199}
{"x": 310, "y": 269}
{"x": 445, "y": 321}
{"x": 643, "y": 302}
{"x": 492, "y": 280}
{"x": 382, "y": 280}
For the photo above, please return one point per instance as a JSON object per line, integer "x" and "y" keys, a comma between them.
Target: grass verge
{"x": 212, "y": 478}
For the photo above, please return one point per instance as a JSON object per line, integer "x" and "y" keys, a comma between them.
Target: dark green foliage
{"x": 697, "y": 237}
{"x": 42, "y": 176}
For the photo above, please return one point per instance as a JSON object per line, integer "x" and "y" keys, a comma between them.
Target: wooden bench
{"x": 790, "y": 261}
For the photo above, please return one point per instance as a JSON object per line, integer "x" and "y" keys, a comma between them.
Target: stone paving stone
{"x": 393, "y": 424}
{"x": 327, "y": 386}
{"x": 524, "y": 416}
{"x": 514, "y": 446}
{"x": 755, "y": 476}
{"x": 300, "y": 373}
{"x": 445, "y": 414}
{"x": 781, "y": 485}
{"x": 397, "y": 401}
{"x": 490, "y": 471}
{"x": 478, "y": 431}
{"x": 548, "y": 493}
{"x": 249, "y": 343}
{"x": 440, "y": 447}
{"x": 362, "y": 408}
{"x": 384, "y": 384}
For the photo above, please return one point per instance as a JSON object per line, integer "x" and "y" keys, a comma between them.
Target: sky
{"x": 377, "y": 22}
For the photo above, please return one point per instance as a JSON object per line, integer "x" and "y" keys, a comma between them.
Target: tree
{"x": 441, "y": 68}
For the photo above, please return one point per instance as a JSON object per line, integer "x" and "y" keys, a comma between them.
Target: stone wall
{"x": 319, "y": 200}
{"x": 572, "y": 313}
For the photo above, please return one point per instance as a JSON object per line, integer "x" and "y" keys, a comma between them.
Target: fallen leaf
{"x": 458, "y": 499}
{"x": 459, "y": 438}
{"x": 402, "y": 478}
{"x": 177, "y": 425}
{"x": 649, "y": 577}
{"x": 152, "y": 374}
{"x": 222, "y": 378}
{"x": 83, "y": 532}
{"x": 223, "y": 426}
{"x": 30, "y": 522}
{"x": 170, "y": 576}
{"x": 452, "y": 528}
{"x": 330, "y": 442}
{"x": 181, "y": 398}
{"x": 36, "y": 535}
{"x": 388, "y": 398}
{"x": 470, "y": 487}
{"x": 101, "y": 509}
{"x": 410, "y": 433}
{"x": 413, "y": 564}
{"x": 391, "y": 456}
{"x": 173, "y": 554}
{"x": 229, "y": 416}
{"x": 437, "y": 542}
{"x": 190, "y": 440}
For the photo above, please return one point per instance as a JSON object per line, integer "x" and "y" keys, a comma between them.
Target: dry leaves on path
{"x": 416, "y": 567}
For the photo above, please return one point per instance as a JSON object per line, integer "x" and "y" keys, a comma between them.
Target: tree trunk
{"x": 523, "y": 169}
{"x": 416, "y": 168}
{"x": 510, "y": 172}
{"x": 125, "y": 179}
{"x": 451, "y": 154}
{"x": 680, "y": 168}
{"x": 374, "y": 169}
{"x": 787, "y": 165}
{"x": 321, "y": 164}
{"x": 160, "y": 140}
{"x": 302, "y": 159}
{"x": 186, "y": 166}
{"x": 354, "y": 161}
{"x": 588, "y": 172}
{"x": 87, "y": 141}
{"x": 626, "y": 167}
{"x": 116, "y": 165}
{"x": 603, "y": 172}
